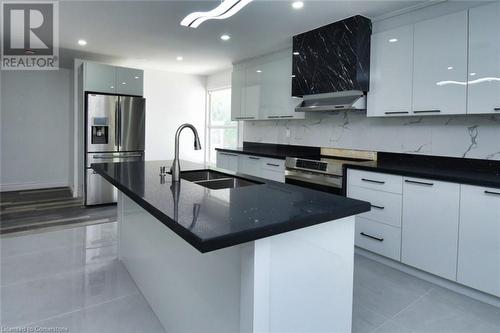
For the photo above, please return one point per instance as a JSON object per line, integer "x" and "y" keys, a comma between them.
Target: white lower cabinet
{"x": 378, "y": 237}
{"x": 447, "y": 229}
{"x": 378, "y": 230}
{"x": 386, "y": 207}
{"x": 250, "y": 165}
{"x": 264, "y": 167}
{"x": 430, "y": 226}
{"x": 227, "y": 161}
{"x": 479, "y": 239}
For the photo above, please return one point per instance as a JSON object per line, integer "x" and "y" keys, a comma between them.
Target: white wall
{"x": 36, "y": 118}
{"x": 171, "y": 100}
{"x": 219, "y": 80}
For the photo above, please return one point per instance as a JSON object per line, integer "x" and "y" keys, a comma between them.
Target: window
{"x": 221, "y": 131}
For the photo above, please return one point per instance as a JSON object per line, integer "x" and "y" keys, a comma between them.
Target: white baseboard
{"x": 32, "y": 185}
{"x": 448, "y": 284}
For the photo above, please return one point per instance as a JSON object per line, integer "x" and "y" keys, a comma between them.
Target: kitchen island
{"x": 211, "y": 254}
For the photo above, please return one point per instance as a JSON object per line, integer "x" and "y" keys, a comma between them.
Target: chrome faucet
{"x": 175, "y": 169}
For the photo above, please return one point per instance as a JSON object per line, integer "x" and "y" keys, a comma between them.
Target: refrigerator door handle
{"x": 117, "y": 132}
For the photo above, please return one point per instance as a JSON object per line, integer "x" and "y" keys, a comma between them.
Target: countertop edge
{"x": 417, "y": 174}
{"x": 236, "y": 238}
{"x": 251, "y": 153}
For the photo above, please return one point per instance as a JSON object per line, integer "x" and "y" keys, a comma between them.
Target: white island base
{"x": 299, "y": 281}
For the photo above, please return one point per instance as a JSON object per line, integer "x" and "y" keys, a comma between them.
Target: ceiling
{"x": 147, "y": 34}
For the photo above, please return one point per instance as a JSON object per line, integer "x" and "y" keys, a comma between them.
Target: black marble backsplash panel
{"x": 332, "y": 58}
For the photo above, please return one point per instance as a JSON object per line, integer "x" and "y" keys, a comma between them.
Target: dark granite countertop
{"x": 273, "y": 150}
{"x": 214, "y": 219}
{"x": 457, "y": 170}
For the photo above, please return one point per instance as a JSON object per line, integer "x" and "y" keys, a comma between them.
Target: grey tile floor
{"x": 71, "y": 278}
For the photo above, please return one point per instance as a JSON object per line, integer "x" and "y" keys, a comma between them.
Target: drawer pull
{"x": 254, "y": 158}
{"x": 396, "y": 112}
{"x": 272, "y": 164}
{"x": 427, "y": 111}
{"x": 418, "y": 183}
{"x": 378, "y": 207}
{"x": 244, "y": 118}
{"x": 372, "y": 181}
{"x": 227, "y": 154}
{"x": 273, "y": 117}
{"x": 496, "y": 109}
{"x": 372, "y": 237}
{"x": 493, "y": 193}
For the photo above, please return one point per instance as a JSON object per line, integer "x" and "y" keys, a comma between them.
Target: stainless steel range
{"x": 324, "y": 173}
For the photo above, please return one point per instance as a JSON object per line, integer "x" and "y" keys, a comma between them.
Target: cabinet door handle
{"x": 372, "y": 181}
{"x": 272, "y": 164}
{"x": 244, "y": 118}
{"x": 396, "y": 112}
{"x": 273, "y": 117}
{"x": 286, "y": 116}
{"x": 418, "y": 183}
{"x": 227, "y": 154}
{"x": 496, "y": 109}
{"x": 427, "y": 111}
{"x": 254, "y": 158}
{"x": 378, "y": 207}
{"x": 372, "y": 237}
{"x": 493, "y": 193}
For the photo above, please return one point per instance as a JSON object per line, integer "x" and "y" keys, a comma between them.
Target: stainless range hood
{"x": 334, "y": 101}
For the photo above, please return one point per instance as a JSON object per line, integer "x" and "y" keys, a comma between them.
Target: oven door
{"x": 315, "y": 181}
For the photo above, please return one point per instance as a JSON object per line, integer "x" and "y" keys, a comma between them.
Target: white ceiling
{"x": 147, "y": 34}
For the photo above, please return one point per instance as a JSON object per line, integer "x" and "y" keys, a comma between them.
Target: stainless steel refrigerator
{"x": 115, "y": 132}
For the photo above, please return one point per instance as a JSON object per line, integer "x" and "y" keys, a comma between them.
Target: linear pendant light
{"x": 226, "y": 9}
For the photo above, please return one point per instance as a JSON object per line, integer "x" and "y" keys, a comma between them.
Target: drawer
{"x": 386, "y": 206}
{"x": 278, "y": 176}
{"x": 273, "y": 164}
{"x": 375, "y": 180}
{"x": 378, "y": 237}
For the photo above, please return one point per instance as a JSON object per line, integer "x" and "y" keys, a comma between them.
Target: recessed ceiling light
{"x": 179, "y": 58}
{"x": 295, "y": 53}
{"x": 226, "y": 9}
{"x": 450, "y": 67}
{"x": 82, "y": 42}
{"x": 124, "y": 82}
{"x": 136, "y": 77}
{"x": 472, "y": 74}
{"x": 258, "y": 71}
{"x": 393, "y": 40}
{"x": 225, "y": 37}
{"x": 112, "y": 87}
{"x": 297, "y": 4}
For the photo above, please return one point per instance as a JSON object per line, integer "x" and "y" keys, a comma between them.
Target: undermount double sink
{"x": 215, "y": 180}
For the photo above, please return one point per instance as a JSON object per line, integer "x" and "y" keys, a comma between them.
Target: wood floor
{"x": 53, "y": 208}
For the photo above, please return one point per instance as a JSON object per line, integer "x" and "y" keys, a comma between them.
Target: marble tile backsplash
{"x": 476, "y": 136}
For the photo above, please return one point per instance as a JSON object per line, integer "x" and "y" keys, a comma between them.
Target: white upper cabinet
{"x": 484, "y": 59}
{"x": 237, "y": 92}
{"x": 479, "y": 239}
{"x": 440, "y": 65}
{"x": 261, "y": 89}
{"x": 253, "y": 91}
{"x": 129, "y": 81}
{"x": 99, "y": 78}
{"x": 113, "y": 80}
{"x": 391, "y": 73}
